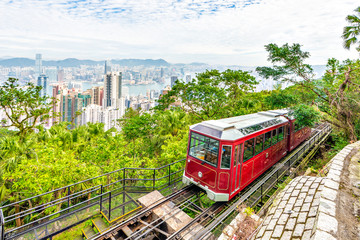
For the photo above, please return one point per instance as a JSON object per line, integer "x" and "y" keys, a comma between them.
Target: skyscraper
{"x": 42, "y": 81}
{"x": 112, "y": 89}
{"x": 107, "y": 67}
{"x": 60, "y": 75}
{"x": 173, "y": 79}
{"x": 38, "y": 65}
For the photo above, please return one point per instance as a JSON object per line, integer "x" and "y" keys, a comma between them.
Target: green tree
{"x": 23, "y": 106}
{"x": 305, "y": 115}
{"x": 351, "y": 32}
{"x": 337, "y": 93}
{"x": 135, "y": 124}
{"x": 211, "y": 94}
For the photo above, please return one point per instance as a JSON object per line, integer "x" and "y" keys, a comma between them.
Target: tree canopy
{"x": 23, "y": 106}
{"x": 336, "y": 93}
{"x": 352, "y": 32}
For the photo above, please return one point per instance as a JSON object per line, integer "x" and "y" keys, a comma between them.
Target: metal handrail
{"x": 2, "y": 223}
{"x": 87, "y": 180}
{"x": 166, "y": 179}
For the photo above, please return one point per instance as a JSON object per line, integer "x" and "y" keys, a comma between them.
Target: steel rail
{"x": 153, "y": 227}
{"x": 144, "y": 211}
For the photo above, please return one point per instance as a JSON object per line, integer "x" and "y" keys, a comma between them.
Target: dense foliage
{"x": 336, "y": 94}
{"x": 33, "y": 162}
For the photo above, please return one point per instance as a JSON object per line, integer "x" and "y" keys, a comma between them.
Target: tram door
{"x": 236, "y": 169}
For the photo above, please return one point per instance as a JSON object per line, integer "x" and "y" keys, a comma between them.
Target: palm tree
{"x": 351, "y": 32}
{"x": 171, "y": 122}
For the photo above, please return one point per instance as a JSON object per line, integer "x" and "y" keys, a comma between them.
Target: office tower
{"x": 38, "y": 65}
{"x": 112, "y": 89}
{"x": 173, "y": 79}
{"x": 60, "y": 75}
{"x": 162, "y": 73}
{"x": 42, "y": 81}
{"x": 188, "y": 78}
{"x": 107, "y": 67}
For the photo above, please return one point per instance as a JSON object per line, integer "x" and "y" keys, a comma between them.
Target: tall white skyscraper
{"x": 38, "y": 65}
{"x": 107, "y": 67}
{"x": 112, "y": 89}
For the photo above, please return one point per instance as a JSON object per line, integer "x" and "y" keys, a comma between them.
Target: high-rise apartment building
{"x": 42, "y": 81}
{"x": 97, "y": 95}
{"x": 112, "y": 89}
{"x": 38, "y": 65}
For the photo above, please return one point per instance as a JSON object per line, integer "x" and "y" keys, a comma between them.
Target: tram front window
{"x": 204, "y": 148}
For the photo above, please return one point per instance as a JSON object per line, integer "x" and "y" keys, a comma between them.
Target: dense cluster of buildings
{"x": 96, "y": 93}
{"x": 105, "y": 102}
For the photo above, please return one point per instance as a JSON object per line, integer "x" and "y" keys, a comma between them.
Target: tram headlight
{"x": 200, "y": 174}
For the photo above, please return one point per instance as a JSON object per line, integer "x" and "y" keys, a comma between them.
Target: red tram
{"x": 226, "y": 155}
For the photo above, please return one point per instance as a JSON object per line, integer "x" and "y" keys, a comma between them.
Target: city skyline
{"x": 210, "y": 31}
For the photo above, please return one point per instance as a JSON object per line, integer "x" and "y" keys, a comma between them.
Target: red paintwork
{"x": 218, "y": 180}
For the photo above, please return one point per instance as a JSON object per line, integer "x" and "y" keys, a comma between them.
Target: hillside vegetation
{"x": 35, "y": 160}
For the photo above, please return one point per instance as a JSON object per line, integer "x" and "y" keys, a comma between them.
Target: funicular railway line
{"x": 213, "y": 218}
{"x": 205, "y": 222}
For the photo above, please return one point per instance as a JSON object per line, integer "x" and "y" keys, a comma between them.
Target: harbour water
{"x": 134, "y": 90}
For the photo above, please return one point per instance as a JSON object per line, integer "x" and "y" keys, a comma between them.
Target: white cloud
{"x": 213, "y": 31}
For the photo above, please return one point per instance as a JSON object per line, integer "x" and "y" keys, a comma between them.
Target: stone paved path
{"x": 306, "y": 208}
{"x": 294, "y": 210}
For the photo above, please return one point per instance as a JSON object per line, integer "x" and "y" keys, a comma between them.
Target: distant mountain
{"x": 21, "y": 62}
{"x": 141, "y": 62}
{"x": 70, "y": 62}
{"x": 73, "y": 62}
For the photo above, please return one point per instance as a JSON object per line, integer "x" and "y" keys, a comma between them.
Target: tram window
{"x": 281, "y": 133}
{"x": 225, "y": 157}
{"x": 259, "y": 144}
{"x": 274, "y": 137}
{"x": 248, "y": 149}
{"x": 236, "y": 158}
{"x": 204, "y": 148}
{"x": 267, "y": 142}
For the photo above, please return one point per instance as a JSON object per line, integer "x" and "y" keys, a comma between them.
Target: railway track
{"x": 180, "y": 198}
{"x": 206, "y": 220}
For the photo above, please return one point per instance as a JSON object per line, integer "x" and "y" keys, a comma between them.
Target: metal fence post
{"x": 154, "y": 180}
{"x": 169, "y": 175}
{"x": 110, "y": 206}
{"x": 101, "y": 192}
{"x": 124, "y": 179}
{"x": 68, "y": 198}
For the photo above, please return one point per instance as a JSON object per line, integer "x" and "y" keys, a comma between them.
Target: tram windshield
{"x": 204, "y": 148}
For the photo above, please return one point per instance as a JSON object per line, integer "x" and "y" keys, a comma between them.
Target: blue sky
{"x": 211, "y": 31}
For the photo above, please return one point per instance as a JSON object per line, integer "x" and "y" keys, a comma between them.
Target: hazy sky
{"x": 211, "y": 31}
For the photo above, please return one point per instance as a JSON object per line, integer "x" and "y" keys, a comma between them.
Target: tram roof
{"x": 238, "y": 127}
